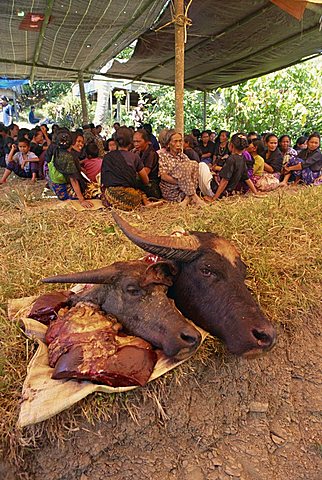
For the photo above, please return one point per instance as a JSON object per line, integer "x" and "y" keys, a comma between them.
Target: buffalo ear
{"x": 162, "y": 272}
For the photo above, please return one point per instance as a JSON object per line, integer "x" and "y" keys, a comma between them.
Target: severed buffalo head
{"x": 209, "y": 287}
{"x": 137, "y": 295}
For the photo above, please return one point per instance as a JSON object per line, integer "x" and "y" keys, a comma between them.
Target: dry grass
{"x": 279, "y": 238}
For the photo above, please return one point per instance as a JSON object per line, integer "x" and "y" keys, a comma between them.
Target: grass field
{"x": 279, "y": 238}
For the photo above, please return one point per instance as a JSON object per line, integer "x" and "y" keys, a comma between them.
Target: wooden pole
{"x": 204, "y": 109}
{"x": 179, "y": 64}
{"x": 82, "y": 97}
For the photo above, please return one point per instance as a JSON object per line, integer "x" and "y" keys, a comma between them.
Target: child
{"x": 23, "y": 163}
{"x": 92, "y": 164}
{"x": 234, "y": 169}
{"x": 253, "y": 147}
{"x": 233, "y": 172}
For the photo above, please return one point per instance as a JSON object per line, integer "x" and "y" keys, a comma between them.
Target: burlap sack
{"x": 43, "y": 397}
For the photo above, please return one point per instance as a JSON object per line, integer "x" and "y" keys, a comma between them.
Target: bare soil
{"x": 231, "y": 418}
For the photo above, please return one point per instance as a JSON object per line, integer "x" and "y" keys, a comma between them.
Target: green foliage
{"x": 288, "y": 101}
{"x": 42, "y": 92}
{"x": 67, "y": 111}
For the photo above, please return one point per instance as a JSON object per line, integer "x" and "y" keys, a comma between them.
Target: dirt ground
{"x": 226, "y": 418}
{"x": 231, "y": 418}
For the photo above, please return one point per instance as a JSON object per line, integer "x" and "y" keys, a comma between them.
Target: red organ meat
{"x": 85, "y": 343}
{"x": 46, "y": 306}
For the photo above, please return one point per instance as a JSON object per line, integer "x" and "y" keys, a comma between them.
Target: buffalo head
{"x": 209, "y": 287}
{"x": 137, "y": 295}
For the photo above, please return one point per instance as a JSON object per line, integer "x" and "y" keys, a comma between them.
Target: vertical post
{"x": 204, "y": 109}
{"x": 111, "y": 106}
{"x": 179, "y": 64}
{"x": 82, "y": 96}
{"x": 127, "y": 101}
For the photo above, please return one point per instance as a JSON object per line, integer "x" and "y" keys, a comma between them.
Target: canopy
{"x": 53, "y": 40}
{"x": 228, "y": 42}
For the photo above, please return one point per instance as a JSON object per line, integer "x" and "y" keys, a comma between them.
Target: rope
{"x": 179, "y": 20}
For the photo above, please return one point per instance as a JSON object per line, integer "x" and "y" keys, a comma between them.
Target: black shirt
{"x": 209, "y": 148}
{"x": 275, "y": 160}
{"x": 234, "y": 171}
{"x": 150, "y": 159}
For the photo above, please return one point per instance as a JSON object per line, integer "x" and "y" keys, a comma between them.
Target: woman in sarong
{"x": 179, "y": 174}
{"x": 119, "y": 175}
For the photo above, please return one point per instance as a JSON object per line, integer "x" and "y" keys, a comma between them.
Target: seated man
{"x": 32, "y": 118}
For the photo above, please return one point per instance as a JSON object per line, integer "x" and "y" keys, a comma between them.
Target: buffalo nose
{"x": 264, "y": 340}
{"x": 190, "y": 339}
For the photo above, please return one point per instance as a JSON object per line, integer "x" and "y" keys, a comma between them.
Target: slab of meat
{"x": 46, "y": 306}
{"x": 85, "y": 343}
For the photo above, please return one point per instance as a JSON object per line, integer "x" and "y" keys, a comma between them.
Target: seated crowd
{"x": 133, "y": 168}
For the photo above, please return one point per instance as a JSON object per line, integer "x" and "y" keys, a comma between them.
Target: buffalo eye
{"x": 207, "y": 272}
{"x": 134, "y": 291}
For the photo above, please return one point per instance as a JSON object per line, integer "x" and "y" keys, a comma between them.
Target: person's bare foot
{"x": 185, "y": 202}
{"x": 154, "y": 204}
{"x": 197, "y": 201}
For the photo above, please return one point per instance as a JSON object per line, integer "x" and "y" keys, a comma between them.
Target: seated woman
{"x": 273, "y": 163}
{"x": 284, "y": 144}
{"x": 221, "y": 151}
{"x": 307, "y": 166}
{"x": 179, "y": 175}
{"x": 258, "y": 167}
{"x": 300, "y": 144}
{"x": 65, "y": 178}
{"x": 150, "y": 160}
{"x": 78, "y": 146}
{"x": 21, "y": 161}
{"x": 188, "y": 148}
{"x": 119, "y": 175}
{"x": 207, "y": 148}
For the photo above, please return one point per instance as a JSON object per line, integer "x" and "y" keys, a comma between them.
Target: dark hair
{"x": 106, "y": 144}
{"x": 224, "y": 131}
{"x": 281, "y": 138}
{"x": 239, "y": 141}
{"x": 300, "y": 141}
{"x": 195, "y": 132}
{"x": 205, "y": 131}
{"x": 22, "y": 132}
{"x": 144, "y": 134}
{"x": 251, "y": 134}
{"x": 269, "y": 135}
{"x": 3, "y": 128}
{"x": 91, "y": 150}
{"x": 33, "y": 132}
{"x": 12, "y": 126}
{"x": 189, "y": 140}
{"x": 258, "y": 144}
{"x": 124, "y": 136}
{"x": 32, "y": 107}
{"x": 314, "y": 135}
{"x": 148, "y": 127}
{"x": 24, "y": 140}
{"x": 75, "y": 136}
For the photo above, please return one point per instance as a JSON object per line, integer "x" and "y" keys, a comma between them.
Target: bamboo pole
{"x": 179, "y": 64}
{"x": 82, "y": 96}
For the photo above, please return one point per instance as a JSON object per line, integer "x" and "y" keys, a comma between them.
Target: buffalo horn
{"x": 183, "y": 249}
{"x": 101, "y": 275}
